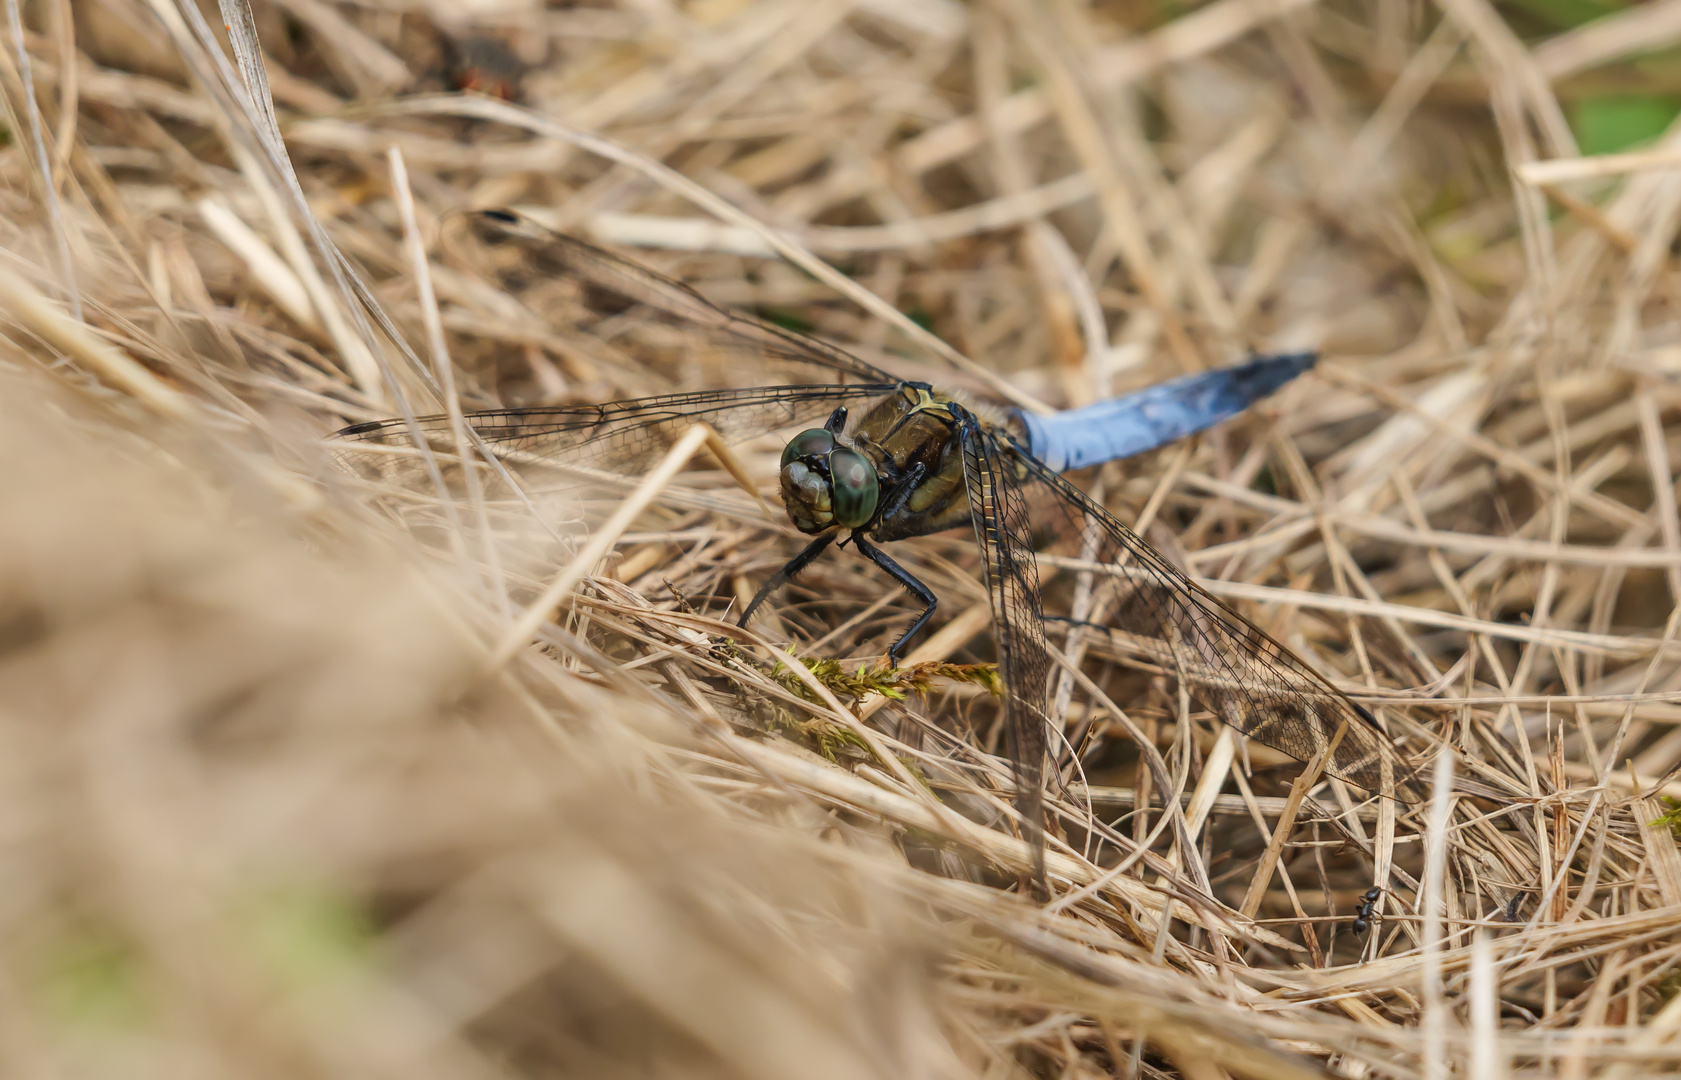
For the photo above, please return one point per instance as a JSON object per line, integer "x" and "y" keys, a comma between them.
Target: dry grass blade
{"x": 446, "y": 758}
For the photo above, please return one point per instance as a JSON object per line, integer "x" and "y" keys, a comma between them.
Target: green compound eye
{"x": 855, "y": 487}
{"x": 813, "y": 442}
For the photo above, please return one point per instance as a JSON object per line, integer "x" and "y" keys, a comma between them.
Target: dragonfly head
{"x": 826, "y": 484}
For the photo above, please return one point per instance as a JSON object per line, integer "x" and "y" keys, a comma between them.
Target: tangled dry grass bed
{"x": 303, "y": 773}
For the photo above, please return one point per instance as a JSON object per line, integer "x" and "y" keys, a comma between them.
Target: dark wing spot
{"x": 361, "y": 429}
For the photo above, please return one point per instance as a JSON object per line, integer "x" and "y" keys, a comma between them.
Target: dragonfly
{"x": 894, "y": 459}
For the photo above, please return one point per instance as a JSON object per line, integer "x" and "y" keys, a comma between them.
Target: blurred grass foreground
{"x": 286, "y": 789}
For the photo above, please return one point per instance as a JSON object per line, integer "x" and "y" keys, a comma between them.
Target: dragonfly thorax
{"x": 825, "y": 484}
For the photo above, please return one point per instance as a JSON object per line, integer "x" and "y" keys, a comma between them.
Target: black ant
{"x": 1363, "y": 913}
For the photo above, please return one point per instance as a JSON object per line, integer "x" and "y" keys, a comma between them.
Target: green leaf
{"x": 1564, "y": 14}
{"x": 1670, "y": 818}
{"x": 306, "y": 936}
{"x": 1607, "y": 124}
{"x": 93, "y": 979}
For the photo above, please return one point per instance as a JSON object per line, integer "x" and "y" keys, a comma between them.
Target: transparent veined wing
{"x": 622, "y": 437}
{"x": 1004, "y": 532}
{"x": 1225, "y": 662}
{"x": 659, "y": 301}
{"x": 647, "y": 319}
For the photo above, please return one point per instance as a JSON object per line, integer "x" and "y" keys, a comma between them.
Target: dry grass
{"x": 288, "y": 789}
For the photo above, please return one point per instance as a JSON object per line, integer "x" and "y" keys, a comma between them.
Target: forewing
{"x": 620, "y": 437}
{"x": 1224, "y": 661}
{"x": 1005, "y": 535}
{"x": 660, "y": 300}
{"x": 639, "y": 320}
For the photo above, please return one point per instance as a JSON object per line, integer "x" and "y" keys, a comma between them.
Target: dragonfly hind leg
{"x": 903, "y": 577}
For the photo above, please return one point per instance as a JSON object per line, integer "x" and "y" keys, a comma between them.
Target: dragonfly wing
{"x": 1224, "y": 661}
{"x": 1005, "y": 535}
{"x": 622, "y": 437}
{"x": 639, "y": 321}
{"x": 662, "y": 299}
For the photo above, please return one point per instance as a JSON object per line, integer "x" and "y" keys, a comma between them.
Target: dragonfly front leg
{"x": 786, "y": 574}
{"x": 902, "y": 492}
{"x": 903, "y": 577}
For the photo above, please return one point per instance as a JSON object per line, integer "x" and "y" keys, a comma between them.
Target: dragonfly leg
{"x": 903, "y": 577}
{"x": 902, "y": 492}
{"x": 786, "y": 574}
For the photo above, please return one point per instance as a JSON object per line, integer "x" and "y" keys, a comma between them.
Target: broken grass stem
{"x": 1287, "y": 821}
{"x": 597, "y": 545}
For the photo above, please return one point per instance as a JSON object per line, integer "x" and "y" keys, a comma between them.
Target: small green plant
{"x": 893, "y": 683}
{"x": 93, "y": 978}
{"x": 1615, "y": 122}
{"x": 1670, "y": 817}
{"x": 1564, "y": 14}
{"x": 305, "y": 935}
{"x": 1670, "y": 984}
{"x": 896, "y": 684}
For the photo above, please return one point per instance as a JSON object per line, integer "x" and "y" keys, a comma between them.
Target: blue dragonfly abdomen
{"x": 1124, "y": 426}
